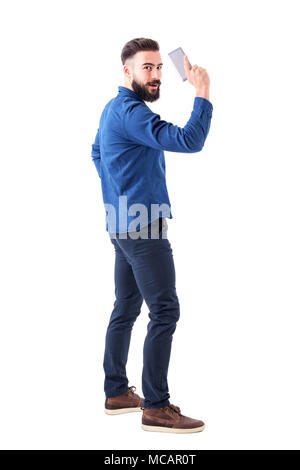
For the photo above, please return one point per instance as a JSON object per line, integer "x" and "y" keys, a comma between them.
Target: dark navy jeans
{"x": 144, "y": 270}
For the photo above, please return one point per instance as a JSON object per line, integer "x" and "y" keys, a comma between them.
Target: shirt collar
{"x": 127, "y": 92}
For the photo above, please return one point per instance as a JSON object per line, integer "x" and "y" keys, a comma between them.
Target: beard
{"x": 143, "y": 91}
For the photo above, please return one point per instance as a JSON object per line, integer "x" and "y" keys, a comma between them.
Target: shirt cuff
{"x": 202, "y": 104}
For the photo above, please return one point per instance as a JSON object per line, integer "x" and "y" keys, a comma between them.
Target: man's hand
{"x": 198, "y": 77}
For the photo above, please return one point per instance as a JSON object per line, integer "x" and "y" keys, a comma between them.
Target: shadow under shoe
{"x": 169, "y": 419}
{"x": 128, "y": 402}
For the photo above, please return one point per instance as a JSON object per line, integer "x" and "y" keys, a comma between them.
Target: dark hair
{"x": 136, "y": 45}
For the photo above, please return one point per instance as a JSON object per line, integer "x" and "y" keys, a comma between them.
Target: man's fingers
{"x": 186, "y": 62}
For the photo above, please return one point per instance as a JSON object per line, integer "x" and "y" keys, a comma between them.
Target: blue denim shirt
{"x": 128, "y": 153}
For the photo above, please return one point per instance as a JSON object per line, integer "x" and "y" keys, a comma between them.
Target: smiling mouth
{"x": 153, "y": 86}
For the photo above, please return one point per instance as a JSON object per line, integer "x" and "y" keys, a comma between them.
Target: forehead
{"x": 152, "y": 57}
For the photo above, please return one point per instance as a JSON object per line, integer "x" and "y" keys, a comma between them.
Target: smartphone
{"x": 177, "y": 57}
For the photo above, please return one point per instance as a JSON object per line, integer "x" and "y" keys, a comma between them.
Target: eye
{"x": 149, "y": 67}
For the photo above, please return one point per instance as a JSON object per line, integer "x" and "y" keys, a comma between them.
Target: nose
{"x": 156, "y": 74}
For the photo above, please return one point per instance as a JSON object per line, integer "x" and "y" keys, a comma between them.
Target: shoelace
{"x": 173, "y": 408}
{"x": 131, "y": 389}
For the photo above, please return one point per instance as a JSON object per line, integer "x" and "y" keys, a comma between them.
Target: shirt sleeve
{"x": 145, "y": 127}
{"x": 96, "y": 157}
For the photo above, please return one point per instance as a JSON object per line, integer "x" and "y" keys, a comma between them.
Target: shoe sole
{"x": 120, "y": 411}
{"x": 172, "y": 430}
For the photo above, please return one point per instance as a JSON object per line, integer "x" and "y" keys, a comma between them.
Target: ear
{"x": 127, "y": 70}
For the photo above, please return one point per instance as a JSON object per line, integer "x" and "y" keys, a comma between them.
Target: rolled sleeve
{"x": 145, "y": 127}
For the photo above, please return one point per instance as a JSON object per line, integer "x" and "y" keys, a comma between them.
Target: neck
{"x": 127, "y": 85}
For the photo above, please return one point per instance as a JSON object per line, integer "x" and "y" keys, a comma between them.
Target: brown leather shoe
{"x": 125, "y": 403}
{"x": 169, "y": 419}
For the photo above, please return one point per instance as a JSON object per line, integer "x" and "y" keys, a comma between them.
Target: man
{"x": 128, "y": 153}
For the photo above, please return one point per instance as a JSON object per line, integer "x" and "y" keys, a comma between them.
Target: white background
{"x": 235, "y": 232}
